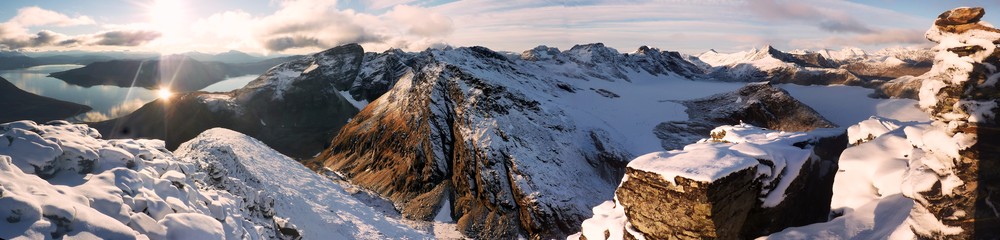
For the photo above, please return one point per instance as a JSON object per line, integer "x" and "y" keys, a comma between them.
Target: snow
{"x": 870, "y": 129}
{"x": 847, "y": 105}
{"x": 731, "y": 149}
{"x": 444, "y": 225}
{"x": 316, "y": 206}
{"x": 608, "y": 216}
{"x": 705, "y": 162}
{"x": 128, "y": 189}
{"x": 360, "y": 104}
{"x": 739, "y": 149}
{"x": 192, "y": 226}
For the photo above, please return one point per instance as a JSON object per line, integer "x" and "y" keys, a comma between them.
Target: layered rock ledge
{"x": 742, "y": 182}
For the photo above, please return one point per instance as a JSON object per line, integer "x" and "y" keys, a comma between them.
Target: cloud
{"x": 36, "y": 16}
{"x": 888, "y": 37}
{"x": 826, "y": 19}
{"x": 14, "y": 32}
{"x": 125, "y": 37}
{"x": 282, "y": 43}
{"x": 308, "y": 25}
{"x": 422, "y": 21}
{"x": 42, "y": 38}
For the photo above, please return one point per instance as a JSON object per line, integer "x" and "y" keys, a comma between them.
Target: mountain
{"x": 518, "y": 145}
{"x": 929, "y": 179}
{"x": 849, "y": 66}
{"x": 15, "y": 60}
{"x": 769, "y": 64}
{"x": 758, "y": 104}
{"x": 506, "y": 143}
{"x": 232, "y": 56}
{"x": 178, "y": 72}
{"x": 14, "y": 103}
{"x": 294, "y": 107}
{"x": 59, "y": 180}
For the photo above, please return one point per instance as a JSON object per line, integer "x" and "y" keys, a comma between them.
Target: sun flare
{"x": 166, "y": 12}
{"x": 164, "y": 93}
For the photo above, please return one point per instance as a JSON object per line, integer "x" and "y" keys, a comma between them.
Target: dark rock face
{"x": 41, "y": 109}
{"x": 292, "y": 110}
{"x": 808, "y": 196}
{"x": 690, "y": 209}
{"x": 757, "y": 104}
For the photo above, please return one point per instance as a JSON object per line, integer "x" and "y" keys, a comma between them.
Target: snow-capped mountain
{"x": 769, "y": 64}
{"x": 518, "y": 145}
{"x": 59, "y": 180}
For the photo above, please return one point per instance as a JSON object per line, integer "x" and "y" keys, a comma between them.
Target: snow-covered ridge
{"x": 59, "y": 180}
{"x": 303, "y": 200}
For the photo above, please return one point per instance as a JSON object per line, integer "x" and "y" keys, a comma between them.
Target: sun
{"x": 164, "y": 93}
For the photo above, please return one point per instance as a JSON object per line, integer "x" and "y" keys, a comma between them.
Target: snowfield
{"x": 314, "y": 205}
{"x": 59, "y": 180}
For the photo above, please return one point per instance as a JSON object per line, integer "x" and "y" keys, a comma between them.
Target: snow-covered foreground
{"x": 868, "y": 189}
{"x": 60, "y": 180}
{"x": 316, "y": 206}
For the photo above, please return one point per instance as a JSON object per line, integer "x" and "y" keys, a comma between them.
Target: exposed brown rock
{"x": 690, "y": 209}
{"x": 959, "y": 16}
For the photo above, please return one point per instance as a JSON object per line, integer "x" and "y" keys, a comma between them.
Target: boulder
{"x": 742, "y": 182}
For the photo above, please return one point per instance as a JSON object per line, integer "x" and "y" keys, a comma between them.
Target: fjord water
{"x": 107, "y": 101}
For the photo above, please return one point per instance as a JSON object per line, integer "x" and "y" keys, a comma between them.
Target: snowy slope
{"x": 772, "y": 65}
{"x": 518, "y": 139}
{"x": 59, "y": 180}
{"x": 316, "y": 206}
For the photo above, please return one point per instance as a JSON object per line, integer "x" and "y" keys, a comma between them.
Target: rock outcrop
{"x": 758, "y": 104}
{"x": 954, "y": 176}
{"x": 742, "y": 182}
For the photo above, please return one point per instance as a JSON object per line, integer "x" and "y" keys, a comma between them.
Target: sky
{"x": 303, "y": 26}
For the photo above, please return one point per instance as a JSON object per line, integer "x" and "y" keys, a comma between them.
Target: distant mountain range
{"x": 19, "y": 59}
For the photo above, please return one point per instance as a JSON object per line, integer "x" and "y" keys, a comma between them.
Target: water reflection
{"x": 107, "y": 101}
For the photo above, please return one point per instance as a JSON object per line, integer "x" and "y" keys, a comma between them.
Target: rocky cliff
{"x": 742, "y": 182}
